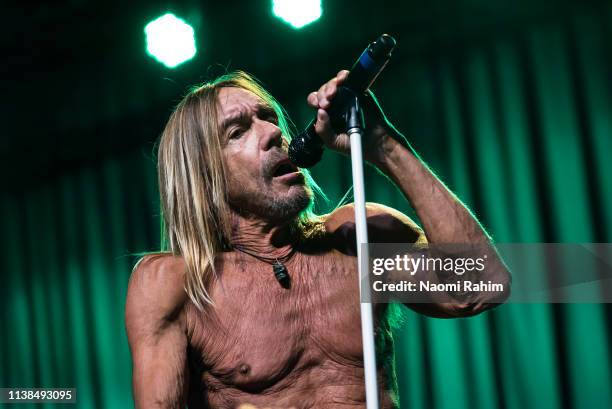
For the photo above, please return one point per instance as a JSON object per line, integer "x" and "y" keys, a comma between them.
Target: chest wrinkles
{"x": 263, "y": 336}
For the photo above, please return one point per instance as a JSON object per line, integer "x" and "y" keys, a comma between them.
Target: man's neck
{"x": 261, "y": 237}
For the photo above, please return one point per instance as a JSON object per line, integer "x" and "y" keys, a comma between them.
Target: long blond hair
{"x": 192, "y": 183}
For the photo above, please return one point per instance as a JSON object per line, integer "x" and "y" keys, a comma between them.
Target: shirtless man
{"x": 209, "y": 324}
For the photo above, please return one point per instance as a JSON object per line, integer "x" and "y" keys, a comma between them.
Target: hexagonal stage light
{"x": 170, "y": 40}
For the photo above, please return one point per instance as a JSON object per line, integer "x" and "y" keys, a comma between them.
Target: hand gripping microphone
{"x": 306, "y": 149}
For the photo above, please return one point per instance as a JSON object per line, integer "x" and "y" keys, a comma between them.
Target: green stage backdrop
{"x": 519, "y": 128}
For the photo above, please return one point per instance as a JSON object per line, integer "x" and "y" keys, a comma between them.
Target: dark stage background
{"x": 509, "y": 102}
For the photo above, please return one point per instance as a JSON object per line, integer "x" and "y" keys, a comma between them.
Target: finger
{"x": 323, "y": 125}
{"x": 330, "y": 90}
{"x": 322, "y": 95}
{"x": 342, "y": 76}
{"x": 326, "y": 93}
{"x": 313, "y": 99}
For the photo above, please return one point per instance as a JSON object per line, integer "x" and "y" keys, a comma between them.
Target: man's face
{"x": 262, "y": 182}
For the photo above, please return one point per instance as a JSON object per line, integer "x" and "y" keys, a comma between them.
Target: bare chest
{"x": 262, "y": 336}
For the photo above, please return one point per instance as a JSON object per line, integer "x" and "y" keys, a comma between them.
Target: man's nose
{"x": 271, "y": 135}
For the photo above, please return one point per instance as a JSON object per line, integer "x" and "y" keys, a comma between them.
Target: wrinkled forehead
{"x": 232, "y": 101}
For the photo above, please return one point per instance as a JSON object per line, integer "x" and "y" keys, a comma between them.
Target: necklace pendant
{"x": 281, "y": 273}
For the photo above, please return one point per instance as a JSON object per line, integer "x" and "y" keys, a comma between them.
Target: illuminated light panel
{"x": 297, "y": 13}
{"x": 170, "y": 40}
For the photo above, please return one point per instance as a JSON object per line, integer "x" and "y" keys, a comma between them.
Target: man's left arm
{"x": 444, "y": 218}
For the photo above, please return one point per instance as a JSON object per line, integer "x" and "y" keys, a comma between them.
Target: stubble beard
{"x": 265, "y": 204}
{"x": 289, "y": 208}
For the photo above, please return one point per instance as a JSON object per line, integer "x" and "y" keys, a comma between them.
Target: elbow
{"x": 495, "y": 293}
{"x": 505, "y": 290}
{"x": 497, "y": 288}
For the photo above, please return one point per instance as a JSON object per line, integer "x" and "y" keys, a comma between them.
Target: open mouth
{"x": 283, "y": 168}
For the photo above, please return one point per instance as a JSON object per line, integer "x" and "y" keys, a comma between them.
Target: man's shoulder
{"x": 379, "y": 216}
{"x": 159, "y": 265}
{"x": 156, "y": 286}
{"x": 385, "y": 224}
{"x": 346, "y": 214}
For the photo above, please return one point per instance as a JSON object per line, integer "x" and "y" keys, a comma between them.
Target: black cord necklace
{"x": 278, "y": 265}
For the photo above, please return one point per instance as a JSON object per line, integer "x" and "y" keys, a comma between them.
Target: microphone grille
{"x": 302, "y": 153}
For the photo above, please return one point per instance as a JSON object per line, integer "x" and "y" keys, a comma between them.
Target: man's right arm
{"x": 156, "y": 328}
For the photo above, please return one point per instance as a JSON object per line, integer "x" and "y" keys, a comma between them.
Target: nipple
{"x": 244, "y": 369}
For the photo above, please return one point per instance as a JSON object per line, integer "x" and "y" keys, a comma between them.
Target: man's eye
{"x": 236, "y": 133}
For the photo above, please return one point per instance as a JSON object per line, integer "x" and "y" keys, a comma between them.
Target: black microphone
{"x": 306, "y": 149}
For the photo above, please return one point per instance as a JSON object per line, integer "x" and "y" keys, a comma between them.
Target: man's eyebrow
{"x": 242, "y": 116}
